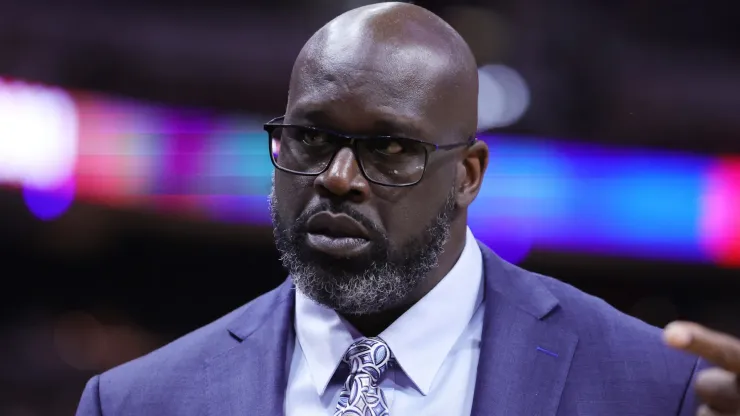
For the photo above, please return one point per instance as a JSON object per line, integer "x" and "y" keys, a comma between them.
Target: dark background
{"x": 102, "y": 285}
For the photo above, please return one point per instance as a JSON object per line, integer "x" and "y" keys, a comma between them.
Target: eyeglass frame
{"x": 272, "y": 125}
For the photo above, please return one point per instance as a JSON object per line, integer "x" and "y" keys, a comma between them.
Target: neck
{"x": 373, "y": 324}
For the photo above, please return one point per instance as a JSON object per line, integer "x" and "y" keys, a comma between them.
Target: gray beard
{"x": 392, "y": 274}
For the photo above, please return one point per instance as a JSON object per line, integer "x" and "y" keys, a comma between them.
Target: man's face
{"x": 350, "y": 244}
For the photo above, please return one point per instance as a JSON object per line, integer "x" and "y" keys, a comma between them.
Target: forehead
{"x": 380, "y": 89}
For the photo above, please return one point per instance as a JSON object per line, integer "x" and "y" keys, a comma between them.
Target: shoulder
{"x": 557, "y": 303}
{"x": 616, "y": 350}
{"x": 595, "y": 320}
{"x": 174, "y": 372}
{"x": 616, "y": 358}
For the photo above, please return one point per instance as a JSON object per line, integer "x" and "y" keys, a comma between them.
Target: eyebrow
{"x": 314, "y": 117}
{"x": 399, "y": 129}
{"x": 381, "y": 127}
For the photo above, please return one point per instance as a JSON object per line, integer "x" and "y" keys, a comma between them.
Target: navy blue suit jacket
{"x": 547, "y": 349}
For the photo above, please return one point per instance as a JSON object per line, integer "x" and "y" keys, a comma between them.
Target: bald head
{"x": 393, "y": 58}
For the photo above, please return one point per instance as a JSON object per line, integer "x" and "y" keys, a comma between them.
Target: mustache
{"x": 334, "y": 208}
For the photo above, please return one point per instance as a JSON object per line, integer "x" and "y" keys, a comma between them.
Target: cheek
{"x": 292, "y": 194}
{"x": 409, "y": 216}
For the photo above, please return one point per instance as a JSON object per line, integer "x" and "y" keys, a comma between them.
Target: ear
{"x": 470, "y": 173}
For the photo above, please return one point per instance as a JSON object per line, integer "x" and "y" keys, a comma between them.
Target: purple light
{"x": 510, "y": 248}
{"x": 49, "y": 203}
{"x": 510, "y": 238}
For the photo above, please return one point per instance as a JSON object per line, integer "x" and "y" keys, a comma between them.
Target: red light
{"x": 721, "y": 212}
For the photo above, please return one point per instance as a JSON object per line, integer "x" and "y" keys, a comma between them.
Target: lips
{"x": 337, "y": 235}
{"x": 336, "y": 226}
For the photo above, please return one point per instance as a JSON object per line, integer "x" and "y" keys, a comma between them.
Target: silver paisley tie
{"x": 368, "y": 359}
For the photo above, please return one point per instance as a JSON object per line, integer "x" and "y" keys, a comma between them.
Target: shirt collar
{"x": 324, "y": 337}
{"x": 419, "y": 350}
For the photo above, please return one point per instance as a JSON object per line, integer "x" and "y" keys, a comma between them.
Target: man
{"x": 392, "y": 307}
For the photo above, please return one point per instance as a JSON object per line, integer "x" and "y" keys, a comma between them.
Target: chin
{"x": 339, "y": 269}
{"x": 330, "y": 263}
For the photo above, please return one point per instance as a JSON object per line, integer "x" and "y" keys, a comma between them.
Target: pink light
{"x": 720, "y": 220}
{"x": 107, "y": 170}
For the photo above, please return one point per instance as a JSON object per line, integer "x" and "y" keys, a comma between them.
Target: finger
{"x": 718, "y": 348}
{"x": 719, "y": 390}
{"x": 704, "y": 410}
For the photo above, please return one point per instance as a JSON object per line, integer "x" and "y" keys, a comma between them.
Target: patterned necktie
{"x": 368, "y": 359}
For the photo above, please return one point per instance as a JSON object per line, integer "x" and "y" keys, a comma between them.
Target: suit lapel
{"x": 250, "y": 378}
{"x": 525, "y": 356}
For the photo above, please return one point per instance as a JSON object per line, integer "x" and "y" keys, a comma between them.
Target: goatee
{"x": 363, "y": 285}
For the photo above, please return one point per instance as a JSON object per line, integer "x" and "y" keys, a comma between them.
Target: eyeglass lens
{"x": 309, "y": 151}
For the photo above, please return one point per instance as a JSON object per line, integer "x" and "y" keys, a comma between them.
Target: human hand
{"x": 718, "y": 388}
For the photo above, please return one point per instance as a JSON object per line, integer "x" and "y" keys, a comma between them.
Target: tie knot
{"x": 370, "y": 356}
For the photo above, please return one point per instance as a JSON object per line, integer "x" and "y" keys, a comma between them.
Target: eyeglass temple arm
{"x": 471, "y": 140}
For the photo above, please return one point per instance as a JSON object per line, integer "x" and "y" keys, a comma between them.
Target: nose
{"x": 343, "y": 178}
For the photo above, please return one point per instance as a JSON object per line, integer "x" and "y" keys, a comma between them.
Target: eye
{"x": 315, "y": 138}
{"x": 390, "y": 148}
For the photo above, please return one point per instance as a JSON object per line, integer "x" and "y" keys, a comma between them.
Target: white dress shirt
{"x": 436, "y": 344}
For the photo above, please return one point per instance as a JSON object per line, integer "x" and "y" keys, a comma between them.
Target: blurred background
{"x": 134, "y": 172}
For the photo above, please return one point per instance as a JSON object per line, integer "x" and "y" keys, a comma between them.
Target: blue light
{"x": 585, "y": 198}
{"x": 49, "y": 204}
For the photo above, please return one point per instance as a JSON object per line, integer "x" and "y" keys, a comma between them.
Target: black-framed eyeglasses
{"x": 384, "y": 160}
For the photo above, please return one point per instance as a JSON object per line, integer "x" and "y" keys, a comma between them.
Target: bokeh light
{"x": 720, "y": 219}
{"x": 38, "y": 134}
{"x": 503, "y": 96}
{"x": 50, "y": 202}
